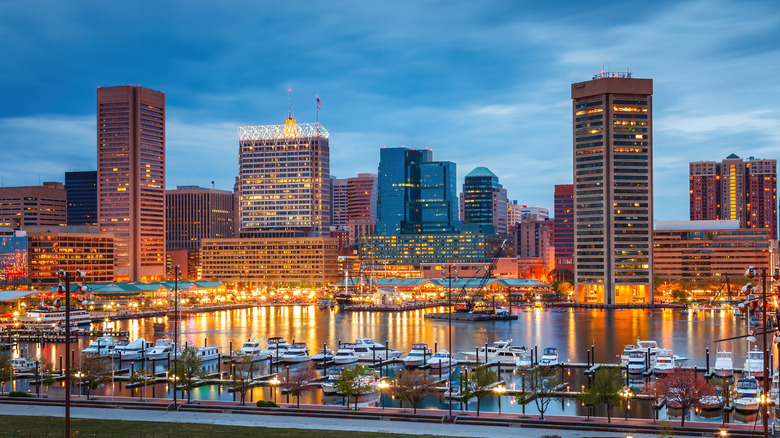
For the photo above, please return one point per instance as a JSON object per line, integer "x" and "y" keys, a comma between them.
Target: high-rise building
{"x": 735, "y": 190}
{"x": 131, "y": 179}
{"x": 485, "y": 201}
{"x": 437, "y": 203}
{"x": 13, "y": 258}
{"x": 339, "y": 202}
{"x": 285, "y": 178}
{"x": 563, "y": 227}
{"x": 26, "y": 206}
{"x": 513, "y": 213}
{"x": 193, "y": 213}
{"x": 613, "y": 189}
{"x": 362, "y": 192}
{"x": 399, "y": 186}
{"x": 534, "y": 238}
{"x": 534, "y": 213}
{"x": 81, "y": 188}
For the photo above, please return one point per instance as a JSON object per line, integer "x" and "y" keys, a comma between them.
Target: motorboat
{"x": 345, "y": 354}
{"x": 368, "y": 349}
{"x": 102, "y": 346}
{"x": 637, "y": 361}
{"x": 711, "y": 402}
{"x": 523, "y": 362}
{"x": 325, "y": 354}
{"x": 746, "y": 394}
{"x": 441, "y": 360}
{"x": 276, "y": 347}
{"x": 500, "y": 351}
{"x": 724, "y": 364}
{"x": 132, "y": 350}
{"x": 754, "y": 363}
{"x": 209, "y": 352}
{"x": 298, "y": 352}
{"x": 549, "y": 357}
{"x": 648, "y": 346}
{"x": 23, "y": 365}
{"x": 163, "y": 348}
{"x": 252, "y": 350}
{"x": 624, "y": 356}
{"x": 329, "y": 387}
{"x": 417, "y": 355}
{"x": 666, "y": 361}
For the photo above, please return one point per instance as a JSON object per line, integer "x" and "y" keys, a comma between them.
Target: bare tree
{"x": 95, "y": 371}
{"x": 186, "y": 371}
{"x": 244, "y": 370}
{"x": 300, "y": 381}
{"x": 414, "y": 386}
{"x": 683, "y": 388}
{"x": 479, "y": 383}
{"x": 540, "y": 382}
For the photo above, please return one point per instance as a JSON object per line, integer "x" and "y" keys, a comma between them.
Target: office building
{"x": 513, "y": 213}
{"x": 193, "y": 213}
{"x": 534, "y": 213}
{"x": 362, "y": 193}
{"x": 69, "y": 248}
{"x": 399, "y": 186}
{"x": 131, "y": 179}
{"x": 27, "y": 206}
{"x": 485, "y": 201}
{"x": 415, "y": 249}
{"x": 81, "y": 189}
{"x": 613, "y": 189}
{"x": 339, "y": 202}
{"x": 13, "y": 258}
{"x": 563, "y": 227}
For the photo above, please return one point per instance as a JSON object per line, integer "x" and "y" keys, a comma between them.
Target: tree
{"x": 355, "y": 381}
{"x": 47, "y": 374}
{"x": 683, "y": 388}
{"x": 244, "y": 369}
{"x": 414, "y": 386}
{"x": 300, "y": 381}
{"x": 142, "y": 376}
{"x": 186, "y": 371}
{"x": 605, "y": 390}
{"x": 479, "y": 383}
{"x": 95, "y": 370}
{"x": 5, "y": 370}
{"x": 540, "y": 382}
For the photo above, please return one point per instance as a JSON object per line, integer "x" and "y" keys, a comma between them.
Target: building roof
{"x": 732, "y": 156}
{"x": 10, "y": 295}
{"x": 697, "y": 225}
{"x": 481, "y": 172}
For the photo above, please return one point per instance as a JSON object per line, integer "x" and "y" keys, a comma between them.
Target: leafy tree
{"x": 683, "y": 388}
{"x": 605, "y": 390}
{"x": 5, "y": 370}
{"x": 479, "y": 383}
{"x": 300, "y": 381}
{"x": 95, "y": 370}
{"x": 187, "y": 371}
{"x": 244, "y": 369}
{"x": 356, "y": 380}
{"x": 540, "y": 382}
{"x": 142, "y": 376}
{"x": 414, "y": 386}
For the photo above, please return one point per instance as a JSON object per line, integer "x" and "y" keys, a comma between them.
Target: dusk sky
{"x": 481, "y": 83}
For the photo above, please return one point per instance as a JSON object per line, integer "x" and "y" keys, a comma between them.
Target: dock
{"x": 470, "y": 316}
{"x": 394, "y": 307}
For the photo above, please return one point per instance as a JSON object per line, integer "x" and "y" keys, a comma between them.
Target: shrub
{"x": 266, "y": 404}
{"x": 19, "y": 394}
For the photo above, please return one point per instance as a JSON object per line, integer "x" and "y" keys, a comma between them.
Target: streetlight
{"x": 449, "y": 269}
{"x": 275, "y": 382}
{"x": 751, "y": 274}
{"x": 499, "y": 390}
{"x": 626, "y": 393}
{"x": 176, "y": 270}
{"x": 383, "y": 385}
{"x": 66, "y": 277}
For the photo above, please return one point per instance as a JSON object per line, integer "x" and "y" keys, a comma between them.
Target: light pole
{"x": 176, "y": 271}
{"x": 626, "y": 394}
{"x": 275, "y": 382}
{"x": 80, "y": 376}
{"x": 448, "y": 270}
{"x": 499, "y": 390}
{"x": 65, "y": 278}
{"x": 383, "y": 385}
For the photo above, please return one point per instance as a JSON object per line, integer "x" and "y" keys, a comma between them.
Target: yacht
{"x": 54, "y": 316}
{"x": 648, "y": 346}
{"x": 22, "y": 365}
{"x": 500, "y": 351}
{"x": 724, "y": 364}
{"x": 209, "y": 352}
{"x": 324, "y": 354}
{"x": 163, "y": 348}
{"x": 276, "y": 348}
{"x": 298, "y": 352}
{"x": 368, "y": 349}
{"x": 252, "y": 350}
{"x": 442, "y": 360}
{"x": 637, "y": 361}
{"x": 549, "y": 357}
{"x": 131, "y": 350}
{"x": 102, "y": 346}
{"x": 417, "y": 355}
{"x": 345, "y": 354}
{"x": 754, "y": 363}
{"x": 746, "y": 394}
{"x": 626, "y": 351}
{"x": 665, "y": 362}
{"x": 330, "y": 384}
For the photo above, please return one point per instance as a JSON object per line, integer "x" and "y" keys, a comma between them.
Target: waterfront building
{"x": 22, "y": 207}
{"x": 706, "y": 249}
{"x": 69, "y": 248}
{"x": 258, "y": 262}
{"x": 563, "y": 227}
{"x": 131, "y": 178}
{"x": 193, "y": 213}
{"x": 485, "y": 201}
{"x": 13, "y": 258}
{"x": 735, "y": 190}
{"x": 81, "y": 190}
{"x": 613, "y": 189}
{"x": 285, "y": 178}
{"x": 339, "y": 202}
{"x": 416, "y": 249}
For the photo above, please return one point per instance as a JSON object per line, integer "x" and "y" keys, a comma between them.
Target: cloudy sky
{"x": 481, "y": 83}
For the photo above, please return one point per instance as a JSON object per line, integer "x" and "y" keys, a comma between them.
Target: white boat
{"x": 665, "y": 362}
{"x": 23, "y": 365}
{"x": 163, "y": 348}
{"x": 441, "y": 359}
{"x": 500, "y": 351}
{"x": 626, "y": 351}
{"x": 210, "y": 352}
{"x": 252, "y": 350}
{"x": 523, "y": 362}
{"x": 368, "y": 349}
{"x": 724, "y": 364}
{"x": 345, "y": 354}
{"x": 276, "y": 348}
{"x": 49, "y": 316}
{"x": 648, "y": 346}
{"x": 298, "y": 352}
{"x": 637, "y": 361}
{"x": 329, "y": 386}
{"x": 754, "y": 363}
{"x": 102, "y": 346}
{"x": 324, "y": 354}
{"x": 417, "y": 355}
{"x": 549, "y": 357}
{"x": 746, "y": 394}
{"x": 711, "y": 402}
{"x": 131, "y": 350}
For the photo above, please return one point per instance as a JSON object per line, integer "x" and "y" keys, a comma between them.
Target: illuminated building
{"x": 22, "y": 207}
{"x": 13, "y": 258}
{"x": 69, "y": 248}
{"x": 131, "y": 178}
{"x": 416, "y": 249}
{"x": 188, "y": 260}
{"x": 534, "y": 213}
{"x": 81, "y": 188}
{"x": 484, "y": 201}
{"x": 362, "y": 192}
{"x": 339, "y": 202}
{"x": 563, "y": 227}
{"x": 708, "y": 249}
{"x": 613, "y": 189}
{"x": 193, "y": 213}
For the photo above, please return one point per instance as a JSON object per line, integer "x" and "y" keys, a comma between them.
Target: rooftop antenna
{"x": 289, "y": 103}
{"x": 212, "y": 184}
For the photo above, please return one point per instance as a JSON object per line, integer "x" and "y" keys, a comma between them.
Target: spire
{"x": 289, "y": 105}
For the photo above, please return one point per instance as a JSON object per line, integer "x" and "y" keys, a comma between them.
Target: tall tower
{"x": 399, "y": 185}
{"x": 704, "y": 181}
{"x": 131, "y": 179}
{"x": 485, "y": 201}
{"x": 563, "y": 226}
{"x": 761, "y": 185}
{"x": 613, "y": 189}
{"x": 81, "y": 188}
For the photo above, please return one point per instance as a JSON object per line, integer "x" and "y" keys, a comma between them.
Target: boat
{"x": 23, "y": 365}
{"x": 441, "y": 360}
{"x": 54, "y": 316}
{"x": 345, "y": 354}
{"x": 210, "y": 352}
{"x": 102, "y": 346}
{"x": 298, "y": 352}
{"x": 417, "y": 355}
{"x": 523, "y": 362}
{"x": 499, "y": 351}
{"x": 163, "y": 348}
{"x": 324, "y": 304}
{"x": 649, "y": 346}
{"x": 368, "y": 349}
{"x": 637, "y": 361}
{"x": 252, "y": 350}
{"x": 549, "y": 357}
{"x": 666, "y": 361}
{"x": 754, "y": 363}
{"x": 329, "y": 387}
{"x": 277, "y": 346}
{"x": 711, "y": 402}
{"x": 131, "y": 350}
{"x": 624, "y": 356}
{"x": 724, "y": 364}
{"x": 325, "y": 354}
{"x": 746, "y": 394}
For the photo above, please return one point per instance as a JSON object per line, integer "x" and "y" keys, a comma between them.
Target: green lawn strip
{"x": 24, "y": 426}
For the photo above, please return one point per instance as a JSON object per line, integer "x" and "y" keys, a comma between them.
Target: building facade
{"x": 563, "y": 227}
{"x": 399, "y": 185}
{"x": 131, "y": 179}
{"x": 362, "y": 193}
{"x": 339, "y": 202}
{"x": 81, "y": 189}
{"x": 29, "y": 206}
{"x": 613, "y": 189}
{"x": 416, "y": 249}
{"x": 193, "y": 213}
{"x": 13, "y": 259}
{"x": 485, "y": 202}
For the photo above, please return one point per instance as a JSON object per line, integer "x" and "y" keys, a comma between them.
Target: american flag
{"x": 318, "y": 102}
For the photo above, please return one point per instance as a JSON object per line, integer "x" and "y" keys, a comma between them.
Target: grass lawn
{"x": 35, "y": 427}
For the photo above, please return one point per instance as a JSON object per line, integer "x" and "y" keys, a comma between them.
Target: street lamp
{"x": 751, "y": 274}
{"x": 499, "y": 390}
{"x": 626, "y": 393}
{"x": 448, "y": 270}
{"x": 176, "y": 271}
{"x": 275, "y": 382}
{"x": 383, "y": 385}
{"x": 80, "y": 375}
{"x": 65, "y": 277}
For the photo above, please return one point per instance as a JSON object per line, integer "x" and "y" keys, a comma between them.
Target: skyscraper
{"x": 131, "y": 179}
{"x": 26, "y": 206}
{"x": 285, "y": 178}
{"x": 339, "y": 201}
{"x": 81, "y": 188}
{"x": 399, "y": 185}
{"x": 362, "y": 192}
{"x": 563, "y": 226}
{"x": 613, "y": 189}
{"x": 193, "y": 213}
{"x": 704, "y": 190}
{"x": 485, "y": 201}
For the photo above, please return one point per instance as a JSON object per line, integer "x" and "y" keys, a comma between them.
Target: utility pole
{"x": 65, "y": 278}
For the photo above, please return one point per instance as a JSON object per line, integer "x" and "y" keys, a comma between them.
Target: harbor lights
{"x": 626, "y": 393}
{"x": 383, "y": 385}
{"x": 275, "y": 382}
{"x": 499, "y": 390}
{"x": 64, "y": 286}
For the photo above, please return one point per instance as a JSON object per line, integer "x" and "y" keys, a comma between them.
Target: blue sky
{"x": 480, "y": 83}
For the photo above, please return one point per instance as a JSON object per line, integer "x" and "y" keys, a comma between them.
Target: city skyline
{"x": 493, "y": 76}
